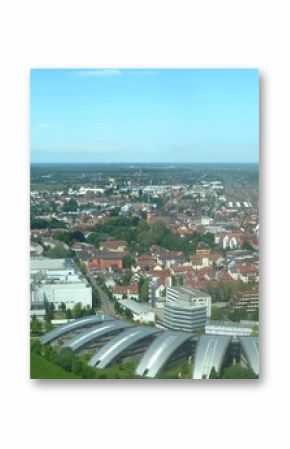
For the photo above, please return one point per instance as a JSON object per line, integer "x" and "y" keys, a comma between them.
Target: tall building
{"x": 186, "y": 309}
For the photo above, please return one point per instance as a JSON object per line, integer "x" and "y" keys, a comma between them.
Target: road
{"x": 107, "y": 306}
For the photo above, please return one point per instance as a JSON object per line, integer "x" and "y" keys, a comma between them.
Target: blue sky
{"x": 144, "y": 115}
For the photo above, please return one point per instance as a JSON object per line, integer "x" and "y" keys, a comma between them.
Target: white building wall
{"x": 69, "y": 294}
{"x": 145, "y": 317}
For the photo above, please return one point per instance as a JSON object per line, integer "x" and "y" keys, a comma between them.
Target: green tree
{"x": 128, "y": 314}
{"x": 70, "y": 206}
{"x": 238, "y": 315}
{"x": 94, "y": 239}
{"x": 62, "y": 306}
{"x": 213, "y": 374}
{"x": 238, "y": 372}
{"x": 255, "y": 315}
{"x": 48, "y": 327}
{"x": 35, "y": 346}
{"x": 58, "y": 252}
{"x": 246, "y": 245}
{"x": 255, "y": 330}
{"x": 217, "y": 313}
{"x": 35, "y": 325}
{"x": 142, "y": 226}
{"x": 77, "y": 310}
{"x": 77, "y": 236}
{"x": 63, "y": 237}
{"x": 144, "y": 290}
{"x": 128, "y": 261}
{"x": 49, "y": 311}
{"x": 65, "y": 358}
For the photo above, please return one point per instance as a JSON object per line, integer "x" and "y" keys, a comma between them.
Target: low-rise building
{"x": 248, "y": 300}
{"x": 58, "y": 281}
{"x": 142, "y": 312}
{"x": 106, "y": 261}
{"x": 170, "y": 258}
{"x": 52, "y": 243}
{"x": 229, "y": 328}
{"x": 35, "y": 249}
{"x": 146, "y": 262}
{"x": 115, "y": 246}
{"x": 126, "y": 291}
{"x": 62, "y": 292}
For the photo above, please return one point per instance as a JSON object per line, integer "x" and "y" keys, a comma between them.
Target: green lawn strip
{"x": 43, "y": 369}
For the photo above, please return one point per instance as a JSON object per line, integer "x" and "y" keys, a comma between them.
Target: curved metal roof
{"x": 75, "y": 324}
{"x": 117, "y": 345}
{"x": 89, "y": 335}
{"x": 159, "y": 352}
{"x": 210, "y": 353}
{"x": 250, "y": 345}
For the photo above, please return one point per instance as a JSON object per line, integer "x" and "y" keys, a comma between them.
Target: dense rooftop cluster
{"x": 140, "y": 232}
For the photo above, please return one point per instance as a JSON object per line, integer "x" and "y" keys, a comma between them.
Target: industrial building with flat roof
{"x": 58, "y": 281}
{"x": 142, "y": 312}
{"x": 229, "y": 328}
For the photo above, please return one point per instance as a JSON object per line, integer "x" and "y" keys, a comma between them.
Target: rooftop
{"x": 186, "y": 293}
{"x": 230, "y": 324}
{"x": 136, "y": 307}
{"x": 44, "y": 263}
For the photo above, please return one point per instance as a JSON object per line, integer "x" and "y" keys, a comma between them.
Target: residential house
{"x": 126, "y": 291}
{"x": 106, "y": 261}
{"x": 115, "y": 246}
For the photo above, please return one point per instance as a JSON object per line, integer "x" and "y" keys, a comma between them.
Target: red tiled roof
{"x": 248, "y": 293}
{"x": 182, "y": 269}
{"x": 126, "y": 289}
{"x": 171, "y": 255}
{"x": 197, "y": 258}
{"x": 214, "y": 256}
{"x": 162, "y": 275}
{"x": 113, "y": 244}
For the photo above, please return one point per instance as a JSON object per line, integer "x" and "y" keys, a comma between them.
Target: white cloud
{"x": 146, "y": 72}
{"x": 96, "y": 73}
{"x": 48, "y": 125}
{"x": 90, "y": 73}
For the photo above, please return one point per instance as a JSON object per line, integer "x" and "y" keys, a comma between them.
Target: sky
{"x": 144, "y": 115}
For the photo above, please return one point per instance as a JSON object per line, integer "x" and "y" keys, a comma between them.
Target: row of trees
{"x": 121, "y": 311}
{"x": 38, "y": 327}
{"x": 225, "y": 292}
{"x": 233, "y": 315}
{"x": 39, "y": 223}
{"x": 181, "y": 371}
{"x": 69, "y": 237}
{"x": 234, "y": 372}
{"x": 77, "y": 311}
{"x": 140, "y": 235}
{"x": 66, "y": 359}
{"x": 135, "y": 231}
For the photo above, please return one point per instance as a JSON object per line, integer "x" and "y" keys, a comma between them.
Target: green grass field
{"x": 42, "y": 369}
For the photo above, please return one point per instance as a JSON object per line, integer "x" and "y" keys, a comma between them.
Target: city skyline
{"x": 144, "y": 116}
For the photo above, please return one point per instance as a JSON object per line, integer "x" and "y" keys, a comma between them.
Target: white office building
{"x": 186, "y": 309}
